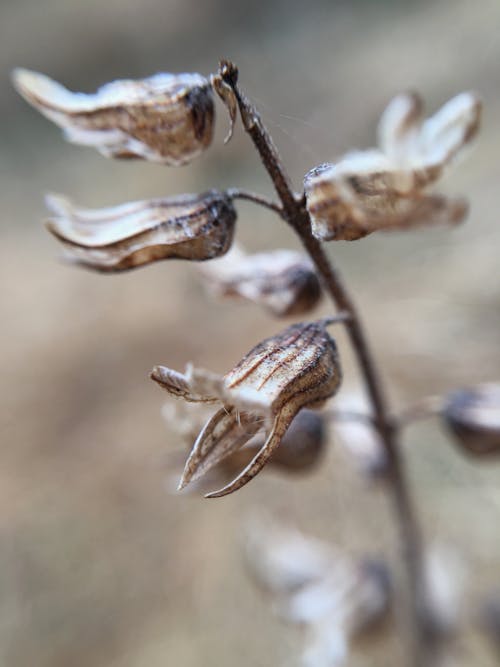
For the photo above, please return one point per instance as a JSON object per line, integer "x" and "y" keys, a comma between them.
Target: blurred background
{"x": 100, "y": 564}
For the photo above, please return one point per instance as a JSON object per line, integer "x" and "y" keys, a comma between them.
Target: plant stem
{"x": 296, "y": 215}
{"x": 238, "y": 193}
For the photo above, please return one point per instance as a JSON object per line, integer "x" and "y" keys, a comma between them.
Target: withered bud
{"x": 165, "y": 118}
{"x": 118, "y": 238}
{"x": 282, "y": 281}
{"x": 473, "y": 416}
{"x": 303, "y": 445}
{"x": 275, "y": 380}
{"x": 317, "y": 585}
{"x": 386, "y": 188}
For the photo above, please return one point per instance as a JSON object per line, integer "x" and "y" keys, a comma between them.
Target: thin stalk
{"x": 296, "y": 215}
{"x": 238, "y": 193}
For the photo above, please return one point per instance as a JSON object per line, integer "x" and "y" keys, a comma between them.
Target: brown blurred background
{"x": 99, "y": 564}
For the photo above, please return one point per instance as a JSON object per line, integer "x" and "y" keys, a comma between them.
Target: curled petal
{"x": 283, "y": 281}
{"x": 227, "y": 96}
{"x": 165, "y": 118}
{"x": 194, "y": 386}
{"x": 281, "y": 422}
{"x": 399, "y": 125}
{"x": 224, "y": 433}
{"x": 118, "y": 238}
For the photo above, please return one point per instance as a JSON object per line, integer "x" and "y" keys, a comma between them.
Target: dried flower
{"x": 316, "y": 585}
{"x": 283, "y": 281}
{"x": 473, "y": 417}
{"x": 386, "y": 188}
{"x": 165, "y": 118}
{"x": 196, "y": 227}
{"x": 295, "y": 369}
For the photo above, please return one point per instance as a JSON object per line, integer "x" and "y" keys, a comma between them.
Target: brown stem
{"x": 295, "y": 213}
{"x": 238, "y": 193}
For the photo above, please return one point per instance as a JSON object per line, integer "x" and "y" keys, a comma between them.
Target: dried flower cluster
{"x": 266, "y": 403}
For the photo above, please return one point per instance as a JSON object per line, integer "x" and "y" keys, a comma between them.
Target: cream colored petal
{"x": 450, "y": 129}
{"x": 181, "y": 385}
{"x": 399, "y": 125}
{"x": 281, "y": 422}
{"x": 225, "y": 432}
{"x": 196, "y": 227}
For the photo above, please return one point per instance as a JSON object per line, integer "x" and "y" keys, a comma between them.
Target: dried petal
{"x": 473, "y": 417}
{"x": 385, "y": 189}
{"x": 283, "y": 281}
{"x": 165, "y": 118}
{"x": 227, "y": 96}
{"x": 303, "y": 445}
{"x": 118, "y": 238}
{"x": 225, "y": 432}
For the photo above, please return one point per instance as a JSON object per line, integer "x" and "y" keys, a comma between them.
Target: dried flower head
{"x": 165, "y": 118}
{"x": 196, "y": 227}
{"x": 283, "y": 281}
{"x": 386, "y": 188}
{"x": 473, "y": 417}
{"x": 316, "y": 585}
{"x": 295, "y": 369}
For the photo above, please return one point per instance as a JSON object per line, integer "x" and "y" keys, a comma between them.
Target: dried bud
{"x": 283, "y": 281}
{"x": 165, "y": 118}
{"x": 273, "y": 382}
{"x": 385, "y": 188}
{"x": 473, "y": 416}
{"x": 196, "y": 227}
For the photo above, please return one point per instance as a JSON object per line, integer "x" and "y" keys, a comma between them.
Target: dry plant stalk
{"x": 169, "y": 118}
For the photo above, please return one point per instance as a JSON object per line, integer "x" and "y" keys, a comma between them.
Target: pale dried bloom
{"x": 282, "y": 281}
{"x": 165, "y": 118}
{"x": 295, "y": 369}
{"x": 317, "y": 585}
{"x": 473, "y": 417}
{"x": 387, "y": 188}
{"x": 195, "y": 227}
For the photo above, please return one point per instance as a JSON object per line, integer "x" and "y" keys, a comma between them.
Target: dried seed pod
{"x": 283, "y": 281}
{"x": 386, "y": 188}
{"x": 118, "y": 238}
{"x": 275, "y": 380}
{"x": 473, "y": 416}
{"x": 165, "y": 118}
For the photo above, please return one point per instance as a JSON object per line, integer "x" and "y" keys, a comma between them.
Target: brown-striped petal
{"x": 196, "y": 227}
{"x": 300, "y": 365}
{"x": 165, "y": 118}
{"x": 224, "y": 433}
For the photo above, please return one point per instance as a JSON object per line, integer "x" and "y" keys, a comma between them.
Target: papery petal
{"x": 225, "y": 432}
{"x": 195, "y": 386}
{"x": 118, "y": 238}
{"x": 281, "y": 422}
{"x": 165, "y": 118}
